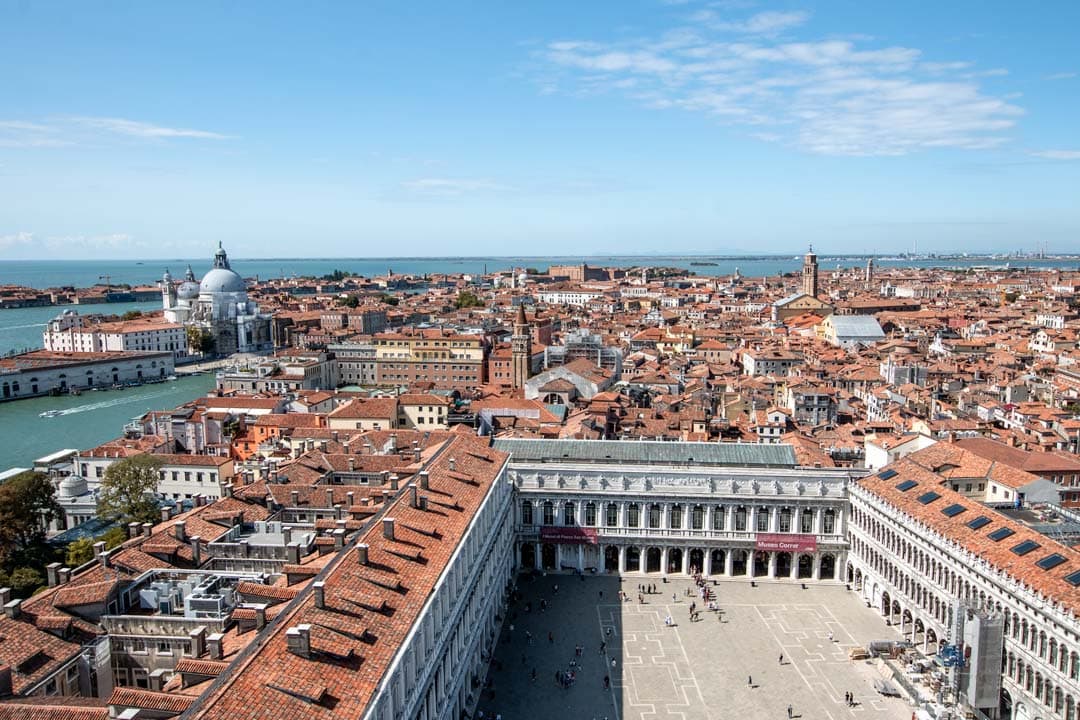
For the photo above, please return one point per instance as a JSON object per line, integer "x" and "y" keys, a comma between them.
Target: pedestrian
{"x": 781, "y": 658}
{"x": 601, "y": 594}
{"x": 603, "y": 647}
{"x": 551, "y": 637}
{"x": 532, "y": 675}
{"x": 674, "y": 598}
{"x": 612, "y": 663}
{"x": 789, "y": 710}
{"x": 750, "y": 681}
{"x": 607, "y": 682}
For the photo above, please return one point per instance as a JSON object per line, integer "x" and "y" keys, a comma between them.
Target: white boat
{"x": 50, "y": 413}
{"x": 171, "y": 378}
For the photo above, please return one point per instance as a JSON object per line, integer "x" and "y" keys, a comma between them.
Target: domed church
{"x": 220, "y": 305}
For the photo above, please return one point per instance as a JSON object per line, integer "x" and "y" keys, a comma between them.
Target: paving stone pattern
{"x": 692, "y": 670}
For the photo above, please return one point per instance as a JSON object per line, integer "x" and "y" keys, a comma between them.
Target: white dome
{"x": 72, "y": 486}
{"x": 221, "y": 280}
{"x": 188, "y": 291}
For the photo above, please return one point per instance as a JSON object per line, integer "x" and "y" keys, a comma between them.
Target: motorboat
{"x": 50, "y": 413}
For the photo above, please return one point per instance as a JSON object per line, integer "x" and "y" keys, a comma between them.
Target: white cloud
{"x": 450, "y": 187}
{"x": 134, "y": 128}
{"x": 827, "y": 96}
{"x": 1057, "y": 154}
{"x": 67, "y": 131}
{"x": 29, "y": 243}
{"x": 1060, "y": 76}
{"x": 769, "y": 22}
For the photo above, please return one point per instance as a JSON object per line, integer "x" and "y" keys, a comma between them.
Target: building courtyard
{"x": 727, "y": 664}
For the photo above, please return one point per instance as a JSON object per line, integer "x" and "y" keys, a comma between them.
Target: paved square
{"x": 725, "y": 665}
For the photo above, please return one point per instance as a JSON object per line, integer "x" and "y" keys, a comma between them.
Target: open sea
{"x": 96, "y": 417}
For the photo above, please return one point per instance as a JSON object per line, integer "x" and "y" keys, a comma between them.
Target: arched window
{"x": 568, "y": 514}
{"x": 676, "y": 517}
{"x": 697, "y": 518}
{"x": 590, "y": 514}
{"x": 633, "y": 515}
{"x": 740, "y": 518}
{"x": 526, "y": 513}
{"x": 611, "y": 513}
{"x": 785, "y": 520}
{"x": 762, "y": 522}
{"x": 654, "y": 516}
{"x": 549, "y": 512}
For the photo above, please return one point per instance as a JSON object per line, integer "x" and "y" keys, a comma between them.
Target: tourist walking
{"x": 789, "y": 711}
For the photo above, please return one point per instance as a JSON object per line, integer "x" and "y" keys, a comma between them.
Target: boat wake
{"x": 107, "y": 403}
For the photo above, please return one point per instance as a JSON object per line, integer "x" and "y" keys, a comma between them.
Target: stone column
{"x": 663, "y": 560}
{"x": 665, "y": 516}
{"x": 772, "y": 565}
{"x": 819, "y": 520}
{"x": 706, "y": 569}
{"x": 751, "y": 519}
{"x": 729, "y": 562}
{"x": 581, "y": 557}
{"x": 817, "y": 566}
{"x": 729, "y": 521}
{"x": 622, "y": 514}
{"x": 622, "y": 559}
{"x": 795, "y": 565}
{"x": 558, "y": 557}
{"x": 686, "y": 561}
{"x": 539, "y": 556}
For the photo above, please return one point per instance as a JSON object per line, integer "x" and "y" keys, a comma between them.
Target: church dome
{"x": 221, "y": 277}
{"x": 72, "y": 486}
{"x": 221, "y": 280}
{"x": 188, "y": 291}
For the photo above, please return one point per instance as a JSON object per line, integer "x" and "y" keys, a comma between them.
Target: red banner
{"x": 783, "y": 542}
{"x": 569, "y": 535}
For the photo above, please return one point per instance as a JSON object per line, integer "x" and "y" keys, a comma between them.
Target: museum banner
{"x": 569, "y": 535}
{"x": 784, "y": 542}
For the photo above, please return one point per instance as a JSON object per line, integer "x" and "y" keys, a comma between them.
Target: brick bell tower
{"x": 520, "y": 350}
{"x": 809, "y": 274}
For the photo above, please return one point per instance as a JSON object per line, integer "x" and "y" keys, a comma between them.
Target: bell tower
{"x": 809, "y": 274}
{"x": 520, "y": 350}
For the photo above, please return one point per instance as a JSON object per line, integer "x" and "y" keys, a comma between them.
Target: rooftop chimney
{"x": 227, "y": 488}
{"x": 147, "y": 529}
{"x": 339, "y": 538}
{"x": 394, "y": 482}
{"x": 330, "y": 497}
{"x": 323, "y": 445}
{"x": 361, "y": 554}
{"x": 393, "y": 443}
{"x": 166, "y": 514}
{"x": 453, "y": 464}
{"x": 388, "y": 528}
{"x": 13, "y": 608}
{"x": 320, "y": 594}
{"x": 416, "y": 454}
{"x": 352, "y": 464}
{"x": 413, "y": 496}
{"x": 198, "y": 642}
{"x": 260, "y": 616}
{"x": 5, "y": 595}
{"x": 425, "y": 478}
{"x": 215, "y": 644}
{"x": 64, "y": 575}
{"x": 52, "y": 570}
{"x": 196, "y": 550}
{"x": 180, "y": 530}
{"x": 133, "y": 529}
{"x": 334, "y": 435}
{"x": 350, "y": 498}
{"x": 292, "y": 553}
{"x": 423, "y": 503}
{"x": 295, "y": 495}
{"x": 298, "y": 640}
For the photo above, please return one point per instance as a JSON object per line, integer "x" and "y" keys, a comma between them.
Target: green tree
{"x": 127, "y": 490}
{"x": 200, "y": 340}
{"x": 131, "y": 315}
{"x": 388, "y": 299}
{"x": 25, "y": 580}
{"x": 466, "y": 299}
{"x": 113, "y": 537}
{"x": 352, "y": 301}
{"x": 27, "y": 506}
{"x": 79, "y": 552}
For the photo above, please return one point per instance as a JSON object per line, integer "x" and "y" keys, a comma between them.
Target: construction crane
{"x": 106, "y": 278}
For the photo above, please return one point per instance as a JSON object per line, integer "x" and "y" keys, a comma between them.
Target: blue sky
{"x": 395, "y": 128}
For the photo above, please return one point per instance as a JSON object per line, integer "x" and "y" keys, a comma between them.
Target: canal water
{"x": 86, "y": 420}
